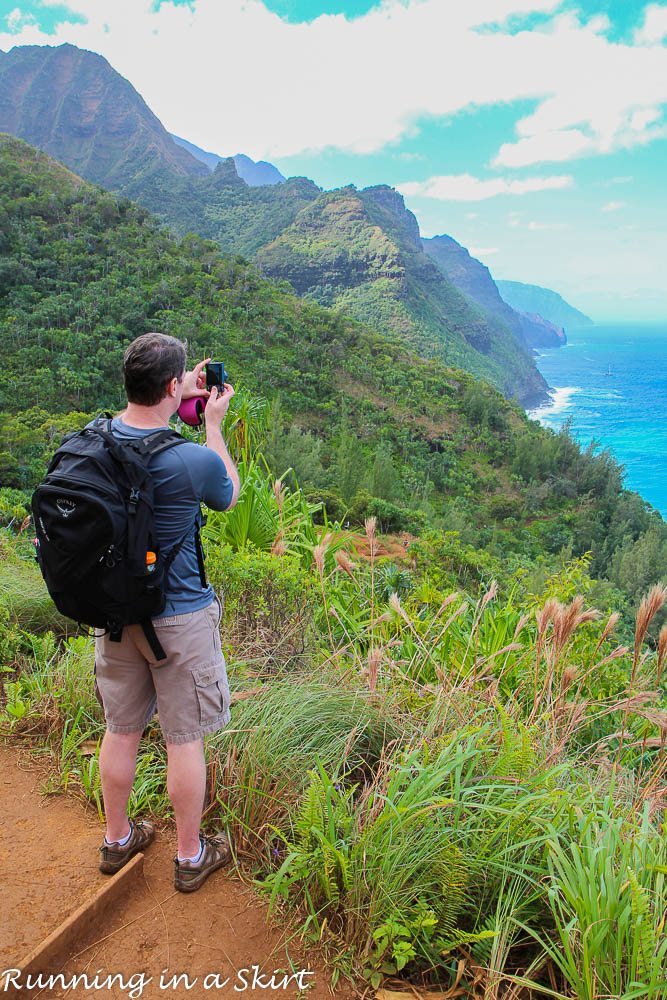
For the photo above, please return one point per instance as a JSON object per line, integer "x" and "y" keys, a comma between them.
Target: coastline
{"x": 610, "y": 383}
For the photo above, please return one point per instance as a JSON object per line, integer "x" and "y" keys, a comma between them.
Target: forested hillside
{"x": 367, "y": 425}
{"x": 358, "y": 251}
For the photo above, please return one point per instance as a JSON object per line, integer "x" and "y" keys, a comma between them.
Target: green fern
{"x": 481, "y": 951}
{"x": 72, "y": 738}
{"x": 517, "y": 757}
{"x": 311, "y": 813}
{"x": 320, "y": 849}
{"x": 452, "y": 874}
{"x": 334, "y": 871}
{"x": 446, "y": 945}
{"x": 644, "y": 937}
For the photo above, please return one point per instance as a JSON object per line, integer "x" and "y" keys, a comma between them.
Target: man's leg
{"x": 193, "y": 700}
{"x": 186, "y": 785}
{"x": 118, "y": 761}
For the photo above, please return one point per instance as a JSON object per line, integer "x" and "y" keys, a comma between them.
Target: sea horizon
{"x": 610, "y": 381}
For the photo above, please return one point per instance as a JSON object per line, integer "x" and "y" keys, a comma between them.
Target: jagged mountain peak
{"x": 226, "y": 174}
{"x": 255, "y": 173}
{"x": 72, "y": 104}
{"x": 391, "y": 201}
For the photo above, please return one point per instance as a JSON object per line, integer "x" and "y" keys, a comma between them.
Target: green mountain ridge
{"x": 368, "y": 425}
{"x": 222, "y": 207}
{"x": 360, "y": 252}
{"x": 420, "y": 303}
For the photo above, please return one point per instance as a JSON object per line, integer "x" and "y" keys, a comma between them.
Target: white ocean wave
{"x": 559, "y": 402}
{"x": 603, "y": 394}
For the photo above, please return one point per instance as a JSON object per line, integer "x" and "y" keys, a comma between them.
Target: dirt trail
{"x": 48, "y": 856}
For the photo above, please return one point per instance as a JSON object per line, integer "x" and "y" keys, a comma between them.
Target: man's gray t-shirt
{"x": 182, "y": 476}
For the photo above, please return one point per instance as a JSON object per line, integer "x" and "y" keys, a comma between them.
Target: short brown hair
{"x": 149, "y": 364}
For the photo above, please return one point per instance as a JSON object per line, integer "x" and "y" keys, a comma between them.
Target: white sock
{"x": 122, "y": 842}
{"x": 198, "y": 856}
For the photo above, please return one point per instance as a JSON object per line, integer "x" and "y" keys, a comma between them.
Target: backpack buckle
{"x": 111, "y": 559}
{"x": 134, "y": 495}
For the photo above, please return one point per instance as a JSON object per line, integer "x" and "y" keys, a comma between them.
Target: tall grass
{"x": 458, "y": 788}
{"x": 416, "y": 863}
{"x": 608, "y": 898}
{"x": 23, "y": 594}
{"x": 261, "y": 763}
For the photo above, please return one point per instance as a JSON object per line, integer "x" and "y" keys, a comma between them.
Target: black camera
{"x": 216, "y": 375}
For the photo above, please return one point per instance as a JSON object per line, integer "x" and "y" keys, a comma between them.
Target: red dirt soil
{"x": 48, "y": 855}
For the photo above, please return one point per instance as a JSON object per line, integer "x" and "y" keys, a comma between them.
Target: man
{"x": 189, "y": 688}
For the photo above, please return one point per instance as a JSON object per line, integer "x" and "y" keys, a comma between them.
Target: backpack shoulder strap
{"x": 142, "y": 448}
{"x": 154, "y": 444}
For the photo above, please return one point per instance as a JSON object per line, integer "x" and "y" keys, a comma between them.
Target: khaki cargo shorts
{"x": 189, "y": 688}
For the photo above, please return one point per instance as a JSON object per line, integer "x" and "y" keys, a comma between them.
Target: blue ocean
{"x": 611, "y": 381}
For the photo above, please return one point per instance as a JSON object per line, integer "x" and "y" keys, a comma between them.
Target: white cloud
{"x": 16, "y": 20}
{"x": 610, "y": 97}
{"x": 560, "y": 145}
{"x": 654, "y": 28}
{"x": 465, "y": 187}
{"x": 640, "y": 120}
{"x": 612, "y": 206}
{"x": 234, "y": 76}
{"x": 480, "y": 252}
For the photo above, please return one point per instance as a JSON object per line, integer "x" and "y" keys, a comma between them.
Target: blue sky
{"x": 532, "y": 131}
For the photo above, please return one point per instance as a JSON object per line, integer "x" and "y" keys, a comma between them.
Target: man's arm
{"x": 214, "y": 414}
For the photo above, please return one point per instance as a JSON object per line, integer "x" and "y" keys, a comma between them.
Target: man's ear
{"x": 172, "y": 387}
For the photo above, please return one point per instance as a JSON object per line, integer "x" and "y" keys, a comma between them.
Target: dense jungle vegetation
{"x": 360, "y": 252}
{"x": 356, "y": 251}
{"x": 362, "y": 422}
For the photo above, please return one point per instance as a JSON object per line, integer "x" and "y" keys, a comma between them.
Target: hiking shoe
{"x": 113, "y": 856}
{"x": 188, "y": 876}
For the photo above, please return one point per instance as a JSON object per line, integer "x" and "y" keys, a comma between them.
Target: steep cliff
{"x": 540, "y": 332}
{"x": 549, "y": 304}
{"x": 474, "y": 279}
{"x": 73, "y": 105}
{"x": 360, "y": 252}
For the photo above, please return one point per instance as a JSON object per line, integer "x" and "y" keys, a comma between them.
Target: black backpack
{"x": 94, "y": 522}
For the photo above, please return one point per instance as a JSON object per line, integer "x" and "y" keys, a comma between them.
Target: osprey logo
{"x": 66, "y": 507}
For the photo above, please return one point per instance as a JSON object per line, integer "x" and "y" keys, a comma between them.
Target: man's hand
{"x": 194, "y": 382}
{"x": 217, "y": 405}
